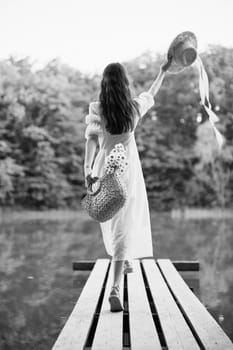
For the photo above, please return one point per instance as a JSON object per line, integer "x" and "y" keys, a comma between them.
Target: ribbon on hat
{"x": 204, "y": 94}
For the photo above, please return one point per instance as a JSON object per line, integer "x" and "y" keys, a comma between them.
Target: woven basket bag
{"x": 108, "y": 199}
{"x": 111, "y": 194}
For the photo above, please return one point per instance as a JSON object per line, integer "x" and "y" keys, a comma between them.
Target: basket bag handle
{"x": 91, "y": 181}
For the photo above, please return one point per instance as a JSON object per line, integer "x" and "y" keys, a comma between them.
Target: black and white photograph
{"x": 116, "y": 175}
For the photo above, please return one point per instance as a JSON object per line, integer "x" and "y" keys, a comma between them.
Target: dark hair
{"x": 116, "y": 104}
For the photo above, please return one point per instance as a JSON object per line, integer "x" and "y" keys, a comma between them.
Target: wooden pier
{"x": 161, "y": 312}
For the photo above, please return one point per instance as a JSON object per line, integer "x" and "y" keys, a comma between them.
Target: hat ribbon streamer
{"x": 204, "y": 94}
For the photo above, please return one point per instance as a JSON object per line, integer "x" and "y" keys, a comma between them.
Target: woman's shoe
{"x": 114, "y": 299}
{"x": 128, "y": 267}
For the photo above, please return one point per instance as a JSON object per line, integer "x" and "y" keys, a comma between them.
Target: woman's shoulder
{"x": 94, "y": 107}
{"x": 145, "y": 101}
{"x": 94, "y": 121}
{"x": 145, "y": 97}
{"x": 93, "y": 115}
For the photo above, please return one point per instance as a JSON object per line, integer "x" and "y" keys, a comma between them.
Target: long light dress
{"x": 127, "y": 235}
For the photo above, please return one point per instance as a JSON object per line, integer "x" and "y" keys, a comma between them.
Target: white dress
{"x": 128, "y": 234}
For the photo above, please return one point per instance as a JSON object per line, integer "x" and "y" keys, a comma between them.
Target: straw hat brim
{"x": 187, "y": 36}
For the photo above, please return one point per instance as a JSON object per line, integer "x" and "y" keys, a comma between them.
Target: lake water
{"x": 38, "y": 288}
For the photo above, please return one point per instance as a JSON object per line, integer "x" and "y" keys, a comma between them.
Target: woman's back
{"x": 98, "y": 124}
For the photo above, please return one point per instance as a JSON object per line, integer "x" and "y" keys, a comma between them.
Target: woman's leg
{"x": 118, "y": 266}
{"x": 128, "y": 267}
{"x": 114, "y": 298}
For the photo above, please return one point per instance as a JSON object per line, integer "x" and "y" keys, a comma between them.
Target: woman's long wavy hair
{"x": 116, "y": 104}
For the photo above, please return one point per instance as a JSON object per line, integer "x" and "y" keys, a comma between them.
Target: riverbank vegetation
{"x": 42, "y": 123}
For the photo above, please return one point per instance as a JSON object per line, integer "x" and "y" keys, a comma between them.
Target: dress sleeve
{"x": 145, "y": 101}
{"x": 93, "y": 121}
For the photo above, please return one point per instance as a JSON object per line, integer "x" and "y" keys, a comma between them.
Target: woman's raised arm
{"x": 159, "y": 79}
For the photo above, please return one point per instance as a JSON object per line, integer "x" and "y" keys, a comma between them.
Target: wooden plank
{"x": 83, "y": 265}
{"x": 74, "y": 333}
{"x": 109, "y": 329}
{"x": 192, "y": 280}
{"x": 208, "y": 331}
{"x": 176, "y": 332}
{"x": 143, "y": 333}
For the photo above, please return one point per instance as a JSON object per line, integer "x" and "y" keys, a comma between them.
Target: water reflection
{"x": 209, "y": 241}
{"x": 38, "y": 288}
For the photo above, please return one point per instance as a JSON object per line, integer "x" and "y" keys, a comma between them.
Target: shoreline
{"x": 21, "y": 214}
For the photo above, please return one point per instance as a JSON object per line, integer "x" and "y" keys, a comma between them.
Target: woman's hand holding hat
{"x": 167, "y": 64}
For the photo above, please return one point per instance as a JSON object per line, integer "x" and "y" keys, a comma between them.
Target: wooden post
{"x": 180, "y": 265}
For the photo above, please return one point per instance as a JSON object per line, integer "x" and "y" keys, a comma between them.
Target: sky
{"x": 89, "y": 34}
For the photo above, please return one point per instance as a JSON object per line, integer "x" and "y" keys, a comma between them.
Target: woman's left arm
{"x": 90, "y": 148}
{"x": 159, "y": 79}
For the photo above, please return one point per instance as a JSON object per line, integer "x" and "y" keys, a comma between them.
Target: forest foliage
{"x": 42, "y": 123}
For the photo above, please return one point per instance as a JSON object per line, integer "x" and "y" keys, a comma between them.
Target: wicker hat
{"x": 183, "y": 51}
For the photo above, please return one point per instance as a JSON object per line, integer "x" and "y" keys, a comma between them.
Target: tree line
{"x": 42, "y": 124}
